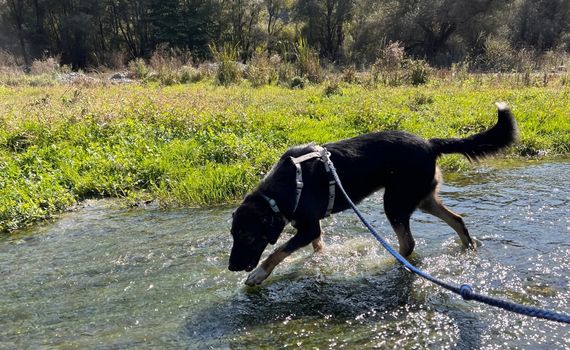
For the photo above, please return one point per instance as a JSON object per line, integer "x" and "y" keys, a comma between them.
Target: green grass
{"x": 202, "y": 144}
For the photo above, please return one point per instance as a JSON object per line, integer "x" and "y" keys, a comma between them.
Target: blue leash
{"x": 465, "y": 290}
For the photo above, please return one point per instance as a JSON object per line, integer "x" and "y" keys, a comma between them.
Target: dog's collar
{"x": 323, "y": 154}
{"x": 272, "y": 204}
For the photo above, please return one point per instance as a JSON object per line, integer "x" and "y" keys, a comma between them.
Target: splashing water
{"x": 106, "y": 277}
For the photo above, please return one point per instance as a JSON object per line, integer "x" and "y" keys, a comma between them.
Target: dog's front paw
{"x": 256, "y": 276}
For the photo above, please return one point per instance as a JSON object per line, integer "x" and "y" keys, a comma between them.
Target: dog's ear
{"x": 276, "y": 225}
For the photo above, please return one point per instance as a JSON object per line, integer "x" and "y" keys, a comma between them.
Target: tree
{"x": 16, "y": 16}
{"x": 426, "y": 27}
{"x": 541, "y": 24}
{"x": 278, "y": 15}
{"x": 190, "y": 24}
{"x": 243, "y": 17}
{"x": 86, "y": 32}
{"x": 325, "y": 22}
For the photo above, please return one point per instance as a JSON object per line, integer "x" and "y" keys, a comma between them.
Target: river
{"x": 106, "y": 277}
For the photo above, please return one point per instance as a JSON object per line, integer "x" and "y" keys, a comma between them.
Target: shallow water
{"x": 105, "y": 277}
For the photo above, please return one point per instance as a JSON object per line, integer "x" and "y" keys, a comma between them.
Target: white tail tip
{"x": 502, "y": 106}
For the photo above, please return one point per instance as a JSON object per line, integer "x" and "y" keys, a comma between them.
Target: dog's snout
{"x": 232, "y": 267}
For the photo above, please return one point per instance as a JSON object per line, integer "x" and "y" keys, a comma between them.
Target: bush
{"x": 168, "y": 64}
{"x": 165, "y": 57}
{"x": 348, "y": 75}
{"x": 8, "y": 59}
{"x": 388, "y": 67}
{"x": 297, "y": 83}
{"x": 47, "y": 65}
{"x": 332, "y": 88}
{"x": 285, "y": 72}
{"x": 308, "y": 62}
{"x": 460, "y": 71}
{"x": 565, "y": 80}
{"x": 498, "y": 55}
{"x": 417, "y": 72}
{"x": 190, "y": 74}
{"x": 139, "y": 69}
{"x": 228, "y": 71}
{"x": 262, "y": 69}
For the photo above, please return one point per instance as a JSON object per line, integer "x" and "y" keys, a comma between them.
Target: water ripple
{"x": 107, "y": 277}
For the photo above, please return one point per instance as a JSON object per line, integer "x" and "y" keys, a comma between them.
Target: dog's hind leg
{"x": 405, "y": 239}
{"x": 432, "y": 205}
{"x": 399, "y": 210}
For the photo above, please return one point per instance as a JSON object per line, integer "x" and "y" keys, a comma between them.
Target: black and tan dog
{"x": 401, "y": 163}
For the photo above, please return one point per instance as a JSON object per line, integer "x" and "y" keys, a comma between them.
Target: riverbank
{"x": 203, "y": 144}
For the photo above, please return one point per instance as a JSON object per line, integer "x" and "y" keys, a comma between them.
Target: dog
{"x": 298, "y": 190}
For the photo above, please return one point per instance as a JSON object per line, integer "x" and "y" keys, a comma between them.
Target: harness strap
{"x": 321, "y": 153}
{"x": 332, "y": 182}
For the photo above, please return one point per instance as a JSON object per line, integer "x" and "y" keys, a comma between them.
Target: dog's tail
{"x": 489, "y": 142}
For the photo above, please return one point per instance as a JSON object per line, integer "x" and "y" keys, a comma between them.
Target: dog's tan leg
{"x": 264, "y": 270}
{"x": 432, "y": 205}
{"x": 305, "y": 234}
{"x": 318, "y": 244}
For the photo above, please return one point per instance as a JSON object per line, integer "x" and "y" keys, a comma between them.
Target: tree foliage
{"x": 85, "y": 33}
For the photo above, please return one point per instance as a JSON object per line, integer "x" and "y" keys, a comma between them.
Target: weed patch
{"x": 203, "y": 144}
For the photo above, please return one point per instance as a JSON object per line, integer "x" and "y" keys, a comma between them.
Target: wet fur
{"x": 401, "y": 163}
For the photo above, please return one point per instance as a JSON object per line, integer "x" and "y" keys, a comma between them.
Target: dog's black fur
{"x": 401, "y": 163}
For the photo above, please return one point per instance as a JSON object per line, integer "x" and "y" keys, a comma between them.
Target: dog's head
{"x": 254, "y": 226}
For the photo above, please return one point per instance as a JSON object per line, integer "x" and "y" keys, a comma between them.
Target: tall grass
{"x": 308, "y": 62}
{"x": 228, "y": 72}
{"x": 203, "y": 144}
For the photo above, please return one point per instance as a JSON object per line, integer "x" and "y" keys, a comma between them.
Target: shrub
{"x": 417, "y": 72}
{"x": 139, "y": 69}
{"x": 166, "y": 77}
{"x": 190, "y": 74}
{"x": 228, "y": 72}
{"x": 262, "y": 69}
{"x": 297, "y": 83}
{"x": 332, "y": 88}
{"x": 391, "y": 57}
{"x": 565, "y": 79}
{"x": 168, "y": 62}
{"x": 46, "y": 65}
{"x": 165, "y": 57}
{"x": 460, "y": 70}
{"x": 498, "y": 55}
{"x": 116, "y": 60}
{"x": 348, "y": 75}
{"x": 388, "y": 67}
{"x": 554, "y": 61}
{"x": 109, "y": 61}
{"x": 8, "y": 59}
{"x": 285, "y": 72}
{"x": 308, "y": 62}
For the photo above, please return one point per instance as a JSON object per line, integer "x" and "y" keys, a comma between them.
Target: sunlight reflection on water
{"x": 106, "y": 277}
